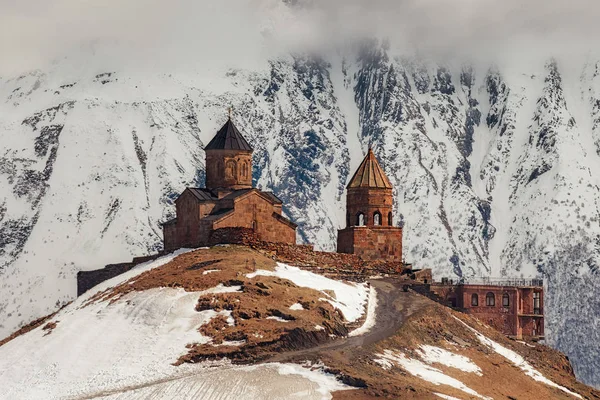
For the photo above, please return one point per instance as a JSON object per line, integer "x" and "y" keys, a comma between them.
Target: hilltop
{"x": 235, "y": 322}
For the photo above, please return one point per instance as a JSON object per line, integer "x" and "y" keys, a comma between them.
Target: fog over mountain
{"x": 484, "y": 114}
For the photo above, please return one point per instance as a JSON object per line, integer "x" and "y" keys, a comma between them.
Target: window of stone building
{"x": 244, "y": 169}
{"x": 390, "y": 221}
{"x": 377, "y": 218}
{"x": 505, "y": 300}
{"x": 360, "y": 219}
{"x": 474, "y": 299}
{"x": 536, "y": 303}
{"x": 490, "y": 299}
{"x": 230, "y": 170}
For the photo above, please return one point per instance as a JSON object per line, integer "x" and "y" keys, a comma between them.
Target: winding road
{"x": 394, "y": 306}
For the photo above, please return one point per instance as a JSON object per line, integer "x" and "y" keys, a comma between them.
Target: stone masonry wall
{"x": 372, "y": 243}
{"x": 186, "y": 232}
{"x": 228, "y": 169}
{"x": 256, "y": 213}
{"x": 88, "y": 279}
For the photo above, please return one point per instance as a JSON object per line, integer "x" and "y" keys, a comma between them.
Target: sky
{"x": 34, "y": 33}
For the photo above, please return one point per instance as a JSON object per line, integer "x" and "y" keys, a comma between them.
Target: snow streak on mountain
{"x": 495, "y": 171}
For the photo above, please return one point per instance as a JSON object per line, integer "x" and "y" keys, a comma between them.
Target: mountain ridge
{"x": 492, "y": 173}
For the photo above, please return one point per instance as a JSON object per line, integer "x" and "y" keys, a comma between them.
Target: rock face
{"x": 494, "y": 171}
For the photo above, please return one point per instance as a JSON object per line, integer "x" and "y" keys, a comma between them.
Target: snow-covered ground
{"x": 433, "y": 354}
{"x": 371, "y": 315}
{"x": 426, "y": 372}
{"x": 122, "y": 348}
{"x": 518, "y": 360}
{"x": 263, "y": 382}
{"x": 350, "y": 298}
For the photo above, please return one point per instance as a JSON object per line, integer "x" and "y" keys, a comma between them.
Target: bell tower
{"x": 370, "y": 232}
{"x": 369, "y": 195}
{"x": 228, "y": 160}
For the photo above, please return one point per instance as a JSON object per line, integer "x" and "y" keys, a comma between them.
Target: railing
{"x": 493, "y": 281}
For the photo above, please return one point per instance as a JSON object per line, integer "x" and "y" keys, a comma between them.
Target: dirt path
{"x": 393, "y": 307}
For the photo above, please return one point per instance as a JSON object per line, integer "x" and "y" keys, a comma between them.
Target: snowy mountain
{"x": 494, "y": 167}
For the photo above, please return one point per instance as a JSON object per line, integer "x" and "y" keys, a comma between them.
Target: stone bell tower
{"x": 369, "y": 230}
{"x": 228, "y": 160}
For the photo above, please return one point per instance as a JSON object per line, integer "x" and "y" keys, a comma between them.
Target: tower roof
{"x": 370, "y": 174}
{"x": 228, "y": 138}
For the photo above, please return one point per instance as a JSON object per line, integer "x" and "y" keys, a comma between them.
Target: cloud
{"x": 36, "y": 32}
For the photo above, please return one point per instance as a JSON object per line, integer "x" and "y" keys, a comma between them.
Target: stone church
{"x": 228, "y": 200}
{"x": 370, "y": 232}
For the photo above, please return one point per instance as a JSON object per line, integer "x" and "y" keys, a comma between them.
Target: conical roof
{"x": 228, "y": 138}
{"x": 370, "y": 174}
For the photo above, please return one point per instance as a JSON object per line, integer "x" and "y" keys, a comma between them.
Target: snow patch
{"x": 371, "y": 315}
{"x": 220, "y": 288}
{"x": 423, "y": 371}
{"x": 349, "y": 298}
{"x": 231, "y": 343}
{"x": 210, "y": 271}
{"x": 296, "y": 307}
{"x": 279, "y": 319}
{"x": 327, "y": 382}
{"x": 518, "y": 360}
{"x": 432, "y": 354}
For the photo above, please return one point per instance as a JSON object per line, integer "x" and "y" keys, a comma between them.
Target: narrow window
{"x": 390, "y": 221}
{"x": 244, "y": 170}
{"x": 360, "y": 219}
{"x": 536, "y": 303}
{"x": 474, "y": 299}
{"x": 230, "y": 170}
{"x": 377, "y": 218}
{"x": 490, "y": 299}
{"x": 505, "y": 300}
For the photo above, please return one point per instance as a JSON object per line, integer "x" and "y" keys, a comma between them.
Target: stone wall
{"x": 233, "y": 235}
{"x": 186, "y": 231}
{"x": 371, "y": 243}
{"x": 88, "y": 279}
{"x": 256, "y": 213}
{"x": 228, "y": 169}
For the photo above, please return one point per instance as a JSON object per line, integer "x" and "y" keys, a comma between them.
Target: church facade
{"x": 370, "y": 232}
{"x": 228, "y": 200}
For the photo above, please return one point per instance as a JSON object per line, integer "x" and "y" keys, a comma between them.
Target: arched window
{"x": 490, "y": 299}
{"x": 360, "y": 219}
{"x": 505, "y": 300}
{"x": 230, "y": 169}
{"x": 474, "y": 299}
{"x": 244, "y": 169}
{"x": 390, "y": 220}
{"x": 377, "y": 218}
